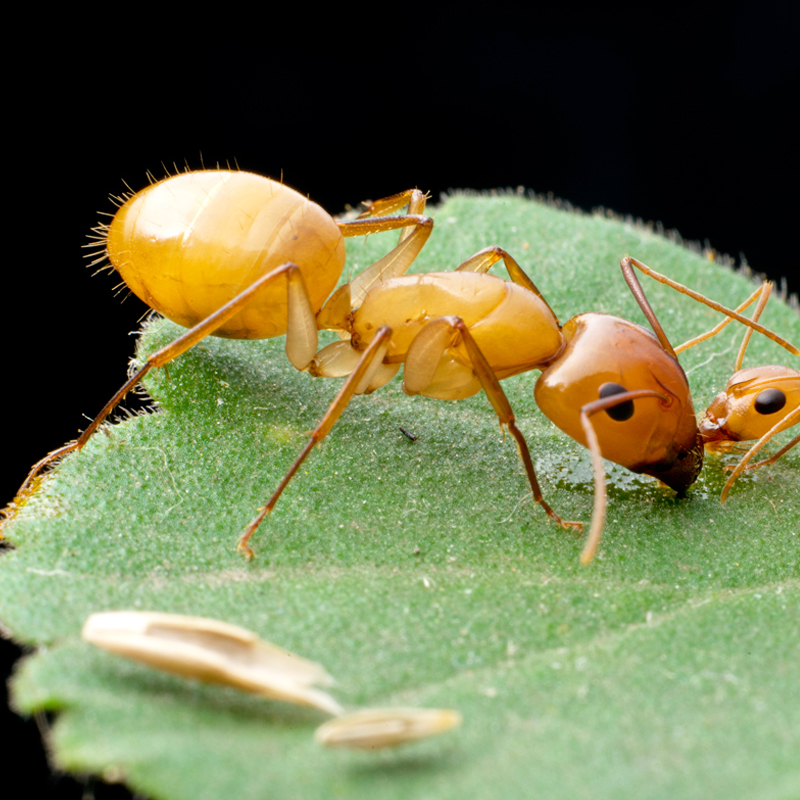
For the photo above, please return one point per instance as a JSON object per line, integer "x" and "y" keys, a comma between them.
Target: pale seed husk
{"x": 374, "y": 728}
{"x": 212, "y": 651}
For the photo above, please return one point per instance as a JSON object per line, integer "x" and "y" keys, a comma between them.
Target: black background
{"x": 683, "y": 117}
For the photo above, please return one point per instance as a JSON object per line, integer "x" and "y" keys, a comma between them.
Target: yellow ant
{"x": 756, "y": 404}
{"x": 238, "y": 255}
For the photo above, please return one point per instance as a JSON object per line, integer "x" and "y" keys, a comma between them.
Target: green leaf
{"x": 419, "y": 573}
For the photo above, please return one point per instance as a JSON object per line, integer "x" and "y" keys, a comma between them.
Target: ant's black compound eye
{"x": 769, "y": 401}
{"x": 624, "y": 410}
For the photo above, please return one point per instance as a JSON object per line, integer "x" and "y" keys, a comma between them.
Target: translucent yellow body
{"x": 733, "y": 415}
{"x": 660, "y": 438}
{"x": 190, "y": 243}
{"x": 514, "y": 328}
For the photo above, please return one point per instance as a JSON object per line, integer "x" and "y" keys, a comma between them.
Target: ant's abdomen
{"x": 190, "y": 243}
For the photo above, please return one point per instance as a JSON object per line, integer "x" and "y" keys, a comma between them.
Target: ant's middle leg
{"x": 358, "y": 382}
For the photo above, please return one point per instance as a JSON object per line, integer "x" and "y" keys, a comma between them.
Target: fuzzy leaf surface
{"x": 420, "y": 573}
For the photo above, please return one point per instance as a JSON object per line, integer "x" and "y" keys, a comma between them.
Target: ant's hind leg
{"x": 415, "y": 228}
{"x": 413, "y": 198}
{"x": 334, "y": 315}
{"x": 301, "y": 344}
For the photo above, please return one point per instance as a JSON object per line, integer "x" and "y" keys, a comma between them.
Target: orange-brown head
{"x": 655, "y": 435}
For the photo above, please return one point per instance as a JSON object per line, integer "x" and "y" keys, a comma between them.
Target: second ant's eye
{"x": 769, "y": 401}
{"x": 624, "y": 410}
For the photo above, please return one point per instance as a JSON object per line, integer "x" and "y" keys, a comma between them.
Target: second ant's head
{"x": 752, "y": 403}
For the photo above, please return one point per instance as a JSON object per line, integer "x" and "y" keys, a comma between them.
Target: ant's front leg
{"x": 424, "y": 356}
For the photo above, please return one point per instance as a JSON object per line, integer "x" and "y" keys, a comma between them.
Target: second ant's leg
{"x": 356, "y": 383}
{"x": 762, "y": 292}
{"x": 423, "y": 355}
{"x": 301, "y": 344}
{"x": 793, "y": 418}
{"x": 626, "y": 264}
{"x": 773, "y": 458}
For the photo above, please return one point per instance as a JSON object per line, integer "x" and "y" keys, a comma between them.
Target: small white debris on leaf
{"x": 373, "y": 728}
{"x": 214, "y": 652}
